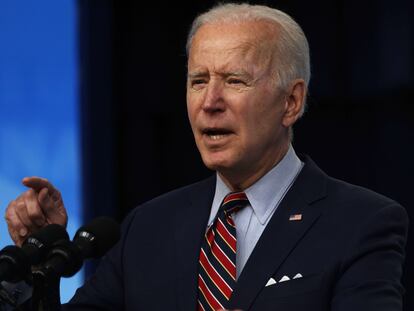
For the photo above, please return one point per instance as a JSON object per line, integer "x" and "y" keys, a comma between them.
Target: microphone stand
{"x": 46, "y": 294}
{"x": 7, "y": 298}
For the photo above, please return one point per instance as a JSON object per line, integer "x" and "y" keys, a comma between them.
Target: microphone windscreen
{"x": 50, "y": 234}
{"x": 104, "y": 232}
{"x": 37, "y": 245}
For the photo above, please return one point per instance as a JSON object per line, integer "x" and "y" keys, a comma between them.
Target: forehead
{"x": 224, "y": 43}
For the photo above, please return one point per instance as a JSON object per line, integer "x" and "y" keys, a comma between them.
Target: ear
{"x": 295, "y": 100}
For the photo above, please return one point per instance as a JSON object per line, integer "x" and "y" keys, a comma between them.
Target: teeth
{"x": 216, "y": 137}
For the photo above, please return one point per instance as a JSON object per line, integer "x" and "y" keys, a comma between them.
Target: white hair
{"x": 291, "y": 47}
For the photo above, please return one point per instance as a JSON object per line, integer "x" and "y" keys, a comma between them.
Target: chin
{"x": 215, "y": 163}
{"x": 218, "y": 164}
{"x": 211, "y": 165}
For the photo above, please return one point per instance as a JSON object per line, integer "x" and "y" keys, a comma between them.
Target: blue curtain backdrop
{"x": 39, "y": 123}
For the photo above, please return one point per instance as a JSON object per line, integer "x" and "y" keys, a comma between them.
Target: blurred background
{"x": 92, "y": 96}
{"x": 39, "y": 105}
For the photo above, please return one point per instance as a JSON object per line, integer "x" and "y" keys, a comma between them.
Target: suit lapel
{"x": 190, "y": 224}
{"x": 281, "y": 235}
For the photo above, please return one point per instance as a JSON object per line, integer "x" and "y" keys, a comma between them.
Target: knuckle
{"x": 12, "y": 222}
{"x": 11, "y": 205}
{"x": 27, "y": 194}
{"x": 35, "y": 213}
{"x": 8, "y": 213}
{"x": 20, "y": 206}
{"x": 20, "y": 198}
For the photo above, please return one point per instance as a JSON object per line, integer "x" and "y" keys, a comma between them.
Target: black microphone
{"x": 15, "y": 262}
{"x": 90, "y": 241}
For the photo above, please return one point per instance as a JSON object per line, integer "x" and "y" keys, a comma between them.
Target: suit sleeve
{"x": 105, "y": 289}
{"x": 370, "y": 275}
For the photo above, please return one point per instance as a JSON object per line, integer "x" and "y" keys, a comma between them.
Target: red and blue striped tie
{"x": 217, "y": 263}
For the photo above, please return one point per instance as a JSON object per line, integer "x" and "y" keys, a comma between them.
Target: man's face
{"x": 235, "y": 109}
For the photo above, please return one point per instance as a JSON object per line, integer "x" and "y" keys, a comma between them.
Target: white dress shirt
{"x": 264, "y": 197}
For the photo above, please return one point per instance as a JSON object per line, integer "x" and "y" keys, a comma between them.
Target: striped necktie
{"x": 217, "y": 262}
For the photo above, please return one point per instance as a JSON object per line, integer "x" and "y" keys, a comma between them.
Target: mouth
{"x": 216, "y": 133}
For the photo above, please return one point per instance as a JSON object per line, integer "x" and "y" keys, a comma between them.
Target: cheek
{"x": 191, "y": 110}
{"x": 193, "y": 103}
{"x": 261, "y": 125}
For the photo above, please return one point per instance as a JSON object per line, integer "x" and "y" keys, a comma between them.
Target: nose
{"x": 213, "y": 101}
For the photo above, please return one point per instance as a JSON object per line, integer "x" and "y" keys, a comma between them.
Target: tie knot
{"x": 234, "y": 201}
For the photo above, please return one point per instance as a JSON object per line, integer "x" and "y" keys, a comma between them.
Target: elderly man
{"x": 270, "y": 231}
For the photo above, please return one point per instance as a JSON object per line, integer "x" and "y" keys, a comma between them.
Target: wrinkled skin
{"x": 239, "y": 116}
{"x": 35, "y": 208}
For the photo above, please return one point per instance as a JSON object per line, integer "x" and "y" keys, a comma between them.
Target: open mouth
{"x": 216, "y": 133}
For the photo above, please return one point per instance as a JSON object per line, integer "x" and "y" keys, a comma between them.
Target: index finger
{"x": 38, "y": 183}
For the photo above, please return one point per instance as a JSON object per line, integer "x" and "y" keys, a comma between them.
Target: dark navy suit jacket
{"x": 348, "y": 247}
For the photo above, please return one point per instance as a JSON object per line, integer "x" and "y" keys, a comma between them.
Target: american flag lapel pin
{"x": 295, "y": 217}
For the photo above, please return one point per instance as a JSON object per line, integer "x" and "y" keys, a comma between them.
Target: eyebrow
{"x": 197, "y": 74}
{"x": 202, "y": 74}
{"x": 237, "y": 73}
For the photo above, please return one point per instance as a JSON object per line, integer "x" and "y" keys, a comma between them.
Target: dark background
{"x": 137, "y": 142}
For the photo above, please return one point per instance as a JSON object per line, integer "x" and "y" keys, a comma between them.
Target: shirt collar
{"x": 264, "y": 195}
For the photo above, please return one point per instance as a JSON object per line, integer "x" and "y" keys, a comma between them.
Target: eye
{"x": 198, "y": 83}
{"x": 234, "y": 81}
